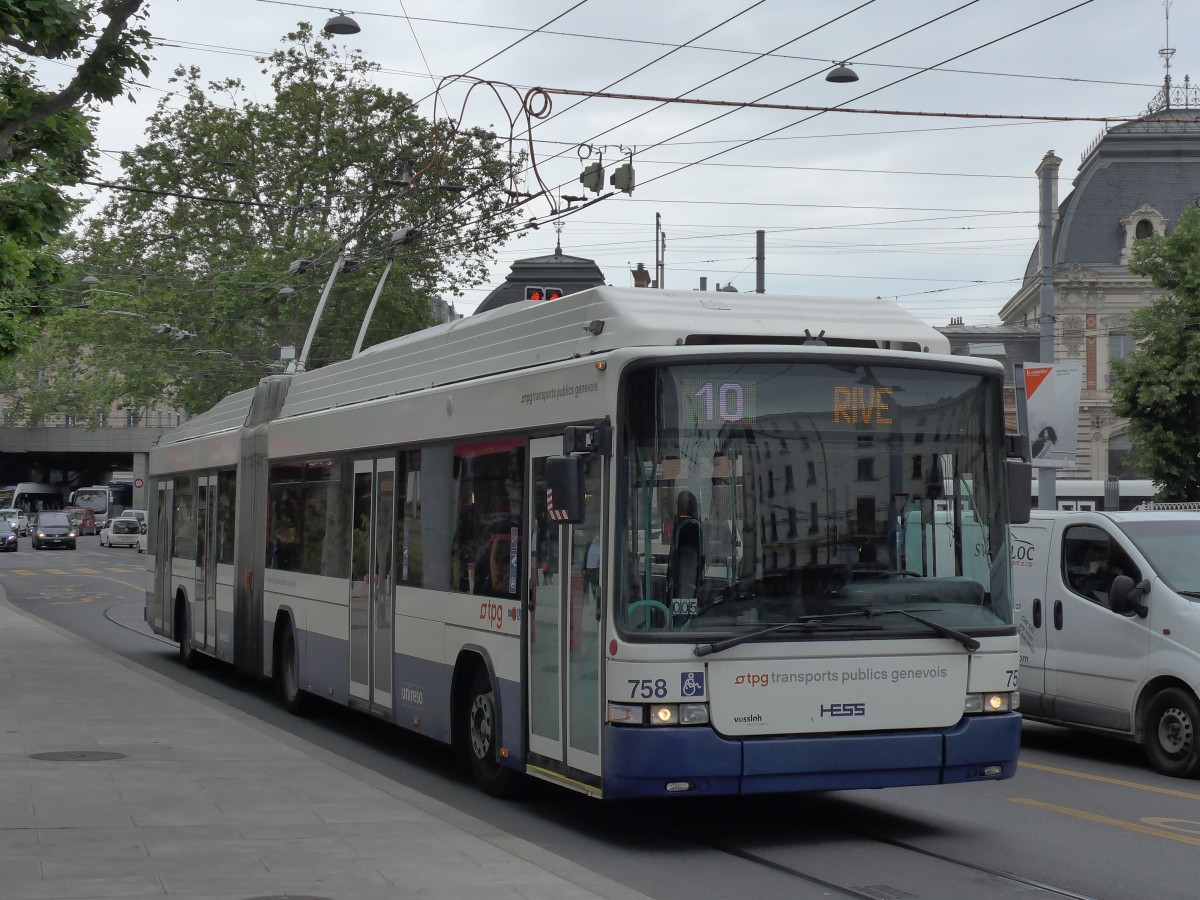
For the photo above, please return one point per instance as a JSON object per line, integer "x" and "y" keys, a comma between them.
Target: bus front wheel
{"x": 482, "y": 733}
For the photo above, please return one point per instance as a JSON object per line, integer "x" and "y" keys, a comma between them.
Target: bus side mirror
{"x": 564, "y": 489}
{"x": 1020, "y": 490}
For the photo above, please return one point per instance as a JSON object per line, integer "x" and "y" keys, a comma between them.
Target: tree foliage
{"x": 227, "y": 192}
{"x": 46, "y": 134}
{"x": 1157, "y": 387}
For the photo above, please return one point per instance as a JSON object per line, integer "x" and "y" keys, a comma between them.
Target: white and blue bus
{"x": 633, "y": 542}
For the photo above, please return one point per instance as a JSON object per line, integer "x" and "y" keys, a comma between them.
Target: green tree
{"x": 46, "y": 135}
{"x": 227, "y": 192}
{"x": 1157, "y": 387}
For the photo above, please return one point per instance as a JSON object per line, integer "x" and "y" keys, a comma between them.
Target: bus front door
{"x": 205, "y": 617}
{"x": 563, "y": 631}
{"x": 371, "y": 585}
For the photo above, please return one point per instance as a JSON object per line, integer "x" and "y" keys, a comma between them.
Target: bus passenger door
{"x": 371, "y": 585}
{"x": 161, "y": 608}
{"x": 205, "y": 618}
{"x": 563, "y": 631}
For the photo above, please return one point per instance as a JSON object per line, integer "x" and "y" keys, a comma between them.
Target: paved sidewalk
{"x": 207, "y": 803}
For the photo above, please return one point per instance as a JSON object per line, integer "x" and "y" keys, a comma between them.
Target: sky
{"x": 925, "y": 194}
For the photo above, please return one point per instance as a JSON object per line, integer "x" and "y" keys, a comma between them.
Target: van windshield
{"x": 1170, "y": 546}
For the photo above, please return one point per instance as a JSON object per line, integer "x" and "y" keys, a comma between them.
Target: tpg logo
{"x": 752, "y": 679}
{"x": 840, "y": 710}
{"x": 492, "y": 613}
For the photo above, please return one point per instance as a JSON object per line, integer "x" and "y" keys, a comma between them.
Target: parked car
{"x": 139, "y": 514}
{"x": 1110, "y": 641}
{"x": 123, "y": 531}
{"x": 18, "y": 517}
{"x": 53, "y": 529}
{"x": 83, "y": 519}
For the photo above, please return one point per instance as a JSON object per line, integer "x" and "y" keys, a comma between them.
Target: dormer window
{"x": 1143, "y": 222}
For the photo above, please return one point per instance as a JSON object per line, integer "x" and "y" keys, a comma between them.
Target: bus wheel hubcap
{"x": 481, "y": 726}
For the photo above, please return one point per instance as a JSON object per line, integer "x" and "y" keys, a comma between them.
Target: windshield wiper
{"x": 946, "y": 631}
{"x": 809, "y": 623}
{"x": 1189, "y": 593}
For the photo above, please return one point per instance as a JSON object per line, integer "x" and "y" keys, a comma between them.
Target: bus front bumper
{"x": 655, "y": 762}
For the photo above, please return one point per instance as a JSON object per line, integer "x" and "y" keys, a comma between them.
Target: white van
{"x": 1109, "y": 620}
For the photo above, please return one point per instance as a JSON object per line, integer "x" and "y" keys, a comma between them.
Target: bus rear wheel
{"x": 1172, "y": 738}
{"x": 481, "y": 731}
{"x": 183, "y": 633}
{"x": 287, "y": 673}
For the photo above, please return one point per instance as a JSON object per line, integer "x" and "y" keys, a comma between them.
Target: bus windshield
{"x": 768, "y": 492}
{"x": 95, "y": 499}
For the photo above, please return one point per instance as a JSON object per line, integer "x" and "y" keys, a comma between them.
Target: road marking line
{"x": 1170, "y": 792}
{"x": 24, "y": 572}
{"x": 55, "y": 572}
{"x": 89, "y": 571}
{"x": 1105, "y": 820}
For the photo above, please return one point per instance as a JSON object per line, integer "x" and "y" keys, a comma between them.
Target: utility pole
{"x": 660, "y": 246}
{"x": 760, "y": 260}
{"x": 1047, "y": 173}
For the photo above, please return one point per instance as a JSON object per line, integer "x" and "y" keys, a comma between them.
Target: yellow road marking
{"x": 1106, "y": 820}
{"x": 56, "y": 572}
{"x": 24, "y": 572}
{"x": 1170, "y": 792}
{"x": 89, "y": 571}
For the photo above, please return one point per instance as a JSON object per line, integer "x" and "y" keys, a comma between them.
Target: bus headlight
{"x": 998, "y": 702}
{"x": 657, "y": 714}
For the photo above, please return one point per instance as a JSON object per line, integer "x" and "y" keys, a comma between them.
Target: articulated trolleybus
{"x": 634, "y": 542}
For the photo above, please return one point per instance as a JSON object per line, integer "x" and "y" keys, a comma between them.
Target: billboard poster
{"x": 1052, "y": 413}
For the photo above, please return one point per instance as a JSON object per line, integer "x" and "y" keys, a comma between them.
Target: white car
{"x": 18, "y": 517}
{"x": 139, "y": 514}
{"x": 120, "y": 532}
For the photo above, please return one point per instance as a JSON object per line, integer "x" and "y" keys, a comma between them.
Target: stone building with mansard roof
{"x": 1134, "y": 181}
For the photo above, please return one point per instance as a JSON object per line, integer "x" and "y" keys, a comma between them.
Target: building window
{"x": 1120, "y": 345}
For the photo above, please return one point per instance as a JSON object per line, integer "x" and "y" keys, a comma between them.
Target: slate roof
{"x": 1154, "y": 160}
{"x": 570, "y": 274}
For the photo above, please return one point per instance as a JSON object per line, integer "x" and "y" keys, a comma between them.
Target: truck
{"x": 1108, "y": 616}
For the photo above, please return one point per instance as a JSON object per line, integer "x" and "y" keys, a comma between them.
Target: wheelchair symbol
{"x": 692, "y": 684}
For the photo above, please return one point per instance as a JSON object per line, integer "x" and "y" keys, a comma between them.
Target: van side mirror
{"x": 1020, "y": 490}
{"x": 1125, "y": 597}
{"x": 564, "y": 489}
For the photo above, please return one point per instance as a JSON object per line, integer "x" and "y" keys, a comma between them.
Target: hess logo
{"x": 838, "y": 710}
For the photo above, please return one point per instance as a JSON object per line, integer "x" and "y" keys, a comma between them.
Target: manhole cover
{"x": 77, "y": 755}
